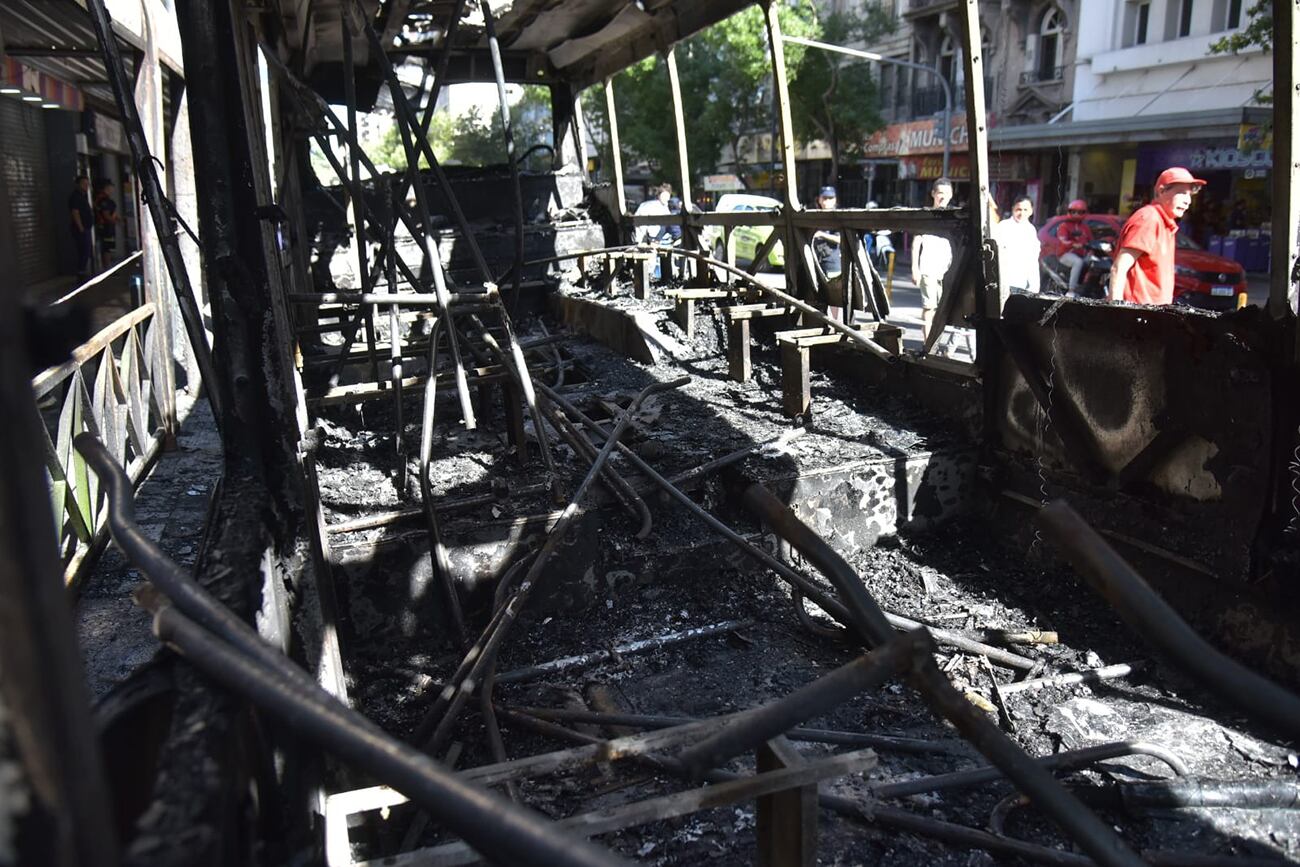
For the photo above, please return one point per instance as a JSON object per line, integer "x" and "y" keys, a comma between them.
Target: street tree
{"x": 1258, "y": 32}
{"x": 475, "y": 137}
{"x": 726, "y": 83}
{"x": 836, "y": 98}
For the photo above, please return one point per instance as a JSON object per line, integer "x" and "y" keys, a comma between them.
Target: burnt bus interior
{"x": 536, "y": 546}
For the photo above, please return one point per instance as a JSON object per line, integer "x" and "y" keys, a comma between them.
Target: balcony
{"x": 928, "y": 7}
{"x": 1051, "y": 75}
{"x": 927, "y": 101}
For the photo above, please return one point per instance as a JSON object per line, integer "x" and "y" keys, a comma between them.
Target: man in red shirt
{"x": 1075, "y": 236}
{"x": 1143, "y": 272}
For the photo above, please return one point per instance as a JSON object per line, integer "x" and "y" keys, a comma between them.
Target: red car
{"x": 1201, "y": 279}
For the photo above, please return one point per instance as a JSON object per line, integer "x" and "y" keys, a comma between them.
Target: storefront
{"x": 1237, "y": 193}
{"x": 916, "y": 150}
{"x": 40, "y": 163}
{"x": 909, "y": 157}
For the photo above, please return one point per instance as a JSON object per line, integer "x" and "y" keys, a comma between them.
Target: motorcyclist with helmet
{"x": 1075, "y": 236}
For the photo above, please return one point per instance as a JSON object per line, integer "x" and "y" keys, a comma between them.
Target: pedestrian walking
{"x": 80, "y": 223}
{"x": 826, "y": 244}
{"x": 1143, "y": 272}
{"x": 1018, "y": 248}
{"x": 1075, "y": 236}
{"x": 931, "y": 259}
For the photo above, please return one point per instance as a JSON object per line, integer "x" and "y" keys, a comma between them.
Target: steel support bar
{"x": 498, "y": 70}
{"x": 499, "y": 829}
{"x": 158, "y": 204}
{"x": 1286, "y": 162}
{"x": 54, "y": 782}
{"x": 873, "y": 628}
{"x": 437, "y": 550}
{"x": 442, "y": 715}
{"x": 830, "y": 605}
{"x": 1152, "y": 617}
{"x": 781, "y": 93}
{"x": 890, "y": 743}
{"x": 611, "y": 113}
{"x": 752, "y": 728}
{"x": 683, "y": 156}
{"x": 517, "y": 365}
{"x": 408, "y": 125}
{"x": 1067, "y": 760}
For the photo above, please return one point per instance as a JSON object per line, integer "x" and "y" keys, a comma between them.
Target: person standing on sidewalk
{"x": 1143, "y": 272}
{"x": 81, "y": 218}
{"x": 931, "y": 259}
{"x": 1018, "y": 248}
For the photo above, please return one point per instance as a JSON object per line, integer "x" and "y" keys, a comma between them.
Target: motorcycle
{"x": 1094, "y": 278}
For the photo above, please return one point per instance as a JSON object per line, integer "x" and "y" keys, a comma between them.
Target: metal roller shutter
{"x": 24, "y": 161}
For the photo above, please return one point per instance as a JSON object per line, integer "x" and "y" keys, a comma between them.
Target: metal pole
{"x": 1147, "y": 612}
{"x": 976, "y": 122}
{"x": 494, "y": 48}
{"x": 614, "y": 147}
{"x": 1286, "y": 163}
{"x": 357, "y": 194}
{"x": 55, "y": 743}
{"x": 154, "y": 197}
{"x": 683, "y": 159}
{"x": 781, "y": 92}
{"x": 880, "y": 58}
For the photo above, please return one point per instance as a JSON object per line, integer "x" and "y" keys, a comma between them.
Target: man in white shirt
{"x": 931, "y": 259}
{"x": 655, "y": 206}
{"x": 1018, "y": 248}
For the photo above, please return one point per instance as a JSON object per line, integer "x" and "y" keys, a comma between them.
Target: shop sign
{"x": 722, "y": 183}
{"x": 1209, "y": 157}
{"x": 110, "y": 135}
{"x": 917, "y": 137}
{"x": 41, "y": 84}
{"x": 1002, "y": 167}
{"x": 1212, "y": 159}
{"x": 1253, "y": 137}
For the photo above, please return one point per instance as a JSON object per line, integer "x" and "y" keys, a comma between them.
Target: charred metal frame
{"x": 261, "y": 519}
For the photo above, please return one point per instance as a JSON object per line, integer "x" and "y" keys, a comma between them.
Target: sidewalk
{"x": 172, "y": 508}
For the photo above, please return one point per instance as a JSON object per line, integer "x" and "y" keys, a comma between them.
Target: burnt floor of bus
{"x": 611, "y": 588}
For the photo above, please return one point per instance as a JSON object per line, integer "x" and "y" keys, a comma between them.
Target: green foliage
{"x": 834, "y": 97}
{"x": 1258, "y": 31}
{"x": 472, "y": 138}
{"x": 726, "y": 82}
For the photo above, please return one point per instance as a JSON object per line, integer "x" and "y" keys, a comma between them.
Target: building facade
{"x": 1028, "y": 48}
{"x": 1149, "y": 94}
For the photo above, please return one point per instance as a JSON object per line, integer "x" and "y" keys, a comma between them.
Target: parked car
{"x": 1201, "y": 279}
{"x": 745, "y": 240}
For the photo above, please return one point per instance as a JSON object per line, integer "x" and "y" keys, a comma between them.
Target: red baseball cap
{"x": 1177, "y": 175}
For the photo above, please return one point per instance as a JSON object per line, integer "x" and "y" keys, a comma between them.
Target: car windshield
{"x": 1186, "y": 243}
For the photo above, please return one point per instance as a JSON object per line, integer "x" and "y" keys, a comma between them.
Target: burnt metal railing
{"x": 1049, "y": 75}
{"x": 214, "y": 639}
{"x": 109, "y": 388}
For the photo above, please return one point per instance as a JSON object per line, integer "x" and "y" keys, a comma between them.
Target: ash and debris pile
{"x": 678, "y": 626}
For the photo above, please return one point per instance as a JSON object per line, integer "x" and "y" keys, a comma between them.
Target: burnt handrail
{"x": 874, "y": 630}
{"x": 1151, "y": 616}
{"x": 215, "y": 640}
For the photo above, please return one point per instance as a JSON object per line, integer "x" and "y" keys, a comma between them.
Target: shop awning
{"x": 1185, "y": 126}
